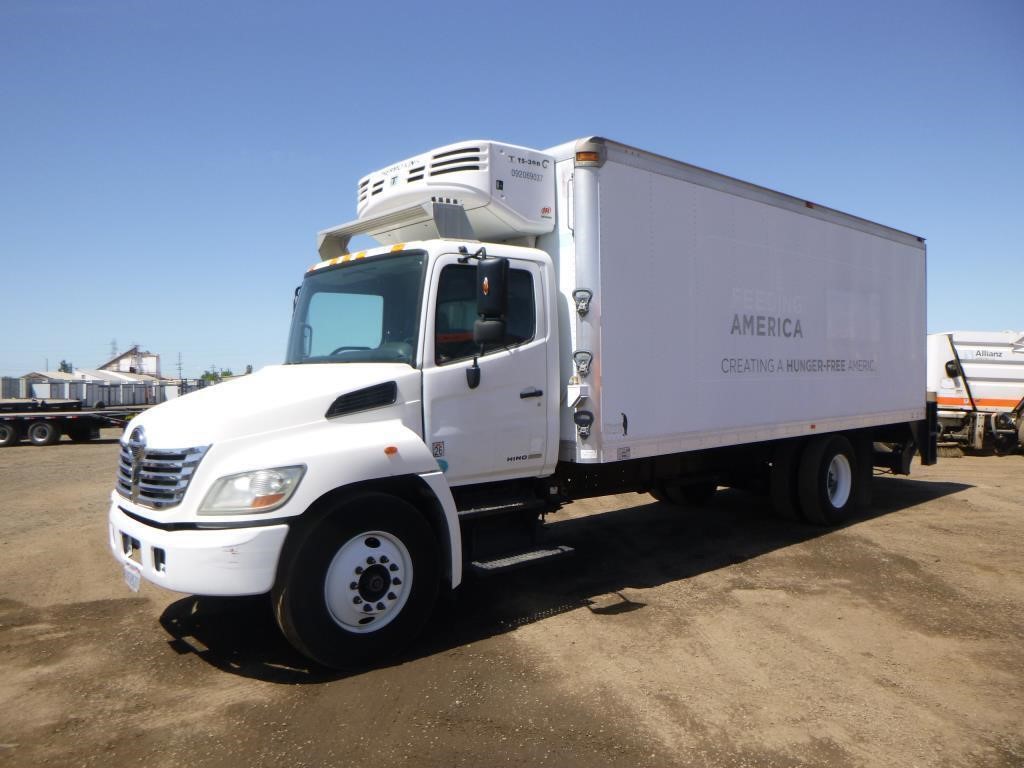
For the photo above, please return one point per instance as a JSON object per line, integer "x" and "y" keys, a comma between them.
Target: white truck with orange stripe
{"x": 535, "y": 327}
{"x": 978, "y": 378}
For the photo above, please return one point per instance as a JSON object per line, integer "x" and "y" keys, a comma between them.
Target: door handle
{"x": 530, "y": 392}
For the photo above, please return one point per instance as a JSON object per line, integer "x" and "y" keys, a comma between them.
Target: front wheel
{"x": 360, "y": 583}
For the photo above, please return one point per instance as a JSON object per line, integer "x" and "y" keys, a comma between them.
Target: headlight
{"x": 259, "y": 491}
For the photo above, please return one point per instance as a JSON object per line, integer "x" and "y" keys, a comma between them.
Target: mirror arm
{"x": 473, "y": 374}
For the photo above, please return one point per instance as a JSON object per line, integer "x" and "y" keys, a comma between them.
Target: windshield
{"x": 361, "y": 311}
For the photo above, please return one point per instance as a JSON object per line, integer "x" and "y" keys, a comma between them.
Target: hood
{"x": 274, "y": 398}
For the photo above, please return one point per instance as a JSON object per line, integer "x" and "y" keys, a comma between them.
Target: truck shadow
{"x": 642, "y": 546}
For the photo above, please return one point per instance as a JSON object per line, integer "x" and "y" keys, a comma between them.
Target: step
{"x": 520, "y": 559}
{"x": 503, "y": 508}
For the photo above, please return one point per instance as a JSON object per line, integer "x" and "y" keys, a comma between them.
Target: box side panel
{"x": 727, "y": 320}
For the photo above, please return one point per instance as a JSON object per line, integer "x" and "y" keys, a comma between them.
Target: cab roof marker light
{"x": 366, "y": 254}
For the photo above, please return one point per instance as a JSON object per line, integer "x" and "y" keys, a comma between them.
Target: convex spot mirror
{"x": 952, "y": 369}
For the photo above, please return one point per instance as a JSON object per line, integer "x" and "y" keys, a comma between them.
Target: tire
{"x": 697, "y": 494}
{"x": 43, "y": 433}
{"x": 828, "y": 480}
{"x": 863, "y": 489}
{"x": 358, "y": 584}
{"x": 679, "y": 495}
{"x": 783, "y": 488}
{"x": 82, "y": 434}
{"x": 8, "y": 434}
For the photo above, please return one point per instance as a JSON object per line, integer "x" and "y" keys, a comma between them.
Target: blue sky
{"x": 165, "y": 166}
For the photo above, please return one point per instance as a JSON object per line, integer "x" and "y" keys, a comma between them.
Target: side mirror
{"x": 952, "y": 369}
{"x": 486, "y": 331}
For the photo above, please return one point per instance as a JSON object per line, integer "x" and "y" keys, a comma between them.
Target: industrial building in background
{"x": 40, "y": 407}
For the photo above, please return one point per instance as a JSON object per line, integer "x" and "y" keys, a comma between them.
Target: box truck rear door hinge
{"x": 582, "y": 297}
{"x": 582, "y": 359}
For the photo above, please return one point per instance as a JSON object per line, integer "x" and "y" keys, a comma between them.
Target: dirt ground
{"x": 718, "y": 637}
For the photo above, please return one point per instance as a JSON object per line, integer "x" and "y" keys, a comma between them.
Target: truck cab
{"x": 416, "y": 304}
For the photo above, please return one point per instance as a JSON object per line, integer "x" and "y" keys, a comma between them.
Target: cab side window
{"x": 456, "y": 313}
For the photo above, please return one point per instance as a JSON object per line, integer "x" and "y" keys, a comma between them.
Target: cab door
{"x": 497, "y": 430}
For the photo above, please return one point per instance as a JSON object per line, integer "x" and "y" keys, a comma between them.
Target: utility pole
{"x": 179, "y": 366}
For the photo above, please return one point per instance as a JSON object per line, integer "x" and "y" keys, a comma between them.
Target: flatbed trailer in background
{"x": 42, "y": 422}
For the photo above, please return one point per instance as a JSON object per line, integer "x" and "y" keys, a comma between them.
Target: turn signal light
{"x": 588, "y": 157}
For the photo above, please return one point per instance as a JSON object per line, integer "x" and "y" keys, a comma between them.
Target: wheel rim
{"x": 368, "y": 581}
{"x": 39, "y": 432}
{"x": 839, "y": 480}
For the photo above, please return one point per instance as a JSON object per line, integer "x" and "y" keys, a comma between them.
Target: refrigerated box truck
{"x": 978, "y": 378}
{"x": 535, "y": 327}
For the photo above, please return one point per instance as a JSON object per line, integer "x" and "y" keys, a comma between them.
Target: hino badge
{"x": 536, "y": 327}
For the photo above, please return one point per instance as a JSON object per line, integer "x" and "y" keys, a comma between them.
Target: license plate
{"x": 132, "y": 577}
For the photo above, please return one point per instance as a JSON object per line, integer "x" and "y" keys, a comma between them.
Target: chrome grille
{"x": 159, "y": 478}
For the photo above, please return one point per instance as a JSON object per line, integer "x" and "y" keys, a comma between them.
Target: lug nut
{"x": 384, "y": 559}
{"x": 359, "y": 569}
{"x": 367, "y": 608}
{"x": 393, "y": 567}
{"x": 357, "y": 599}
{"x": 392, "y": 596}
{"x": 397, "y": 582}
{"x": 370, "y": 561}
{"x": 354, "y": 585}
{"x": 380, "y": 606}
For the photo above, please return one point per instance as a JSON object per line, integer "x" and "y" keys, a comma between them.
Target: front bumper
{"x": 229, "y": 561}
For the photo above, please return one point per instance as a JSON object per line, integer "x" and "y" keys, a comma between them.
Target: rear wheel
{"x": 697, "y": 494}
{"x": 43, "y": 433}
{"x": 828, "y": 480}
{"x": 82, "y": 434}
{"x": 8, "y": 434}
{"x": 783, "y": 487}
{"x": 688, "y": 495}
{"x": 360, "y": 583}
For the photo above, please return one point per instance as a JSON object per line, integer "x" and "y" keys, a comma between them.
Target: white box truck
{"x": 978, "y": 378}
{"x": 536, "y": 327}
